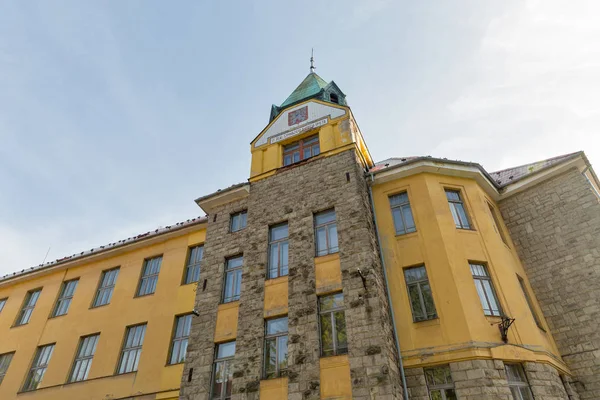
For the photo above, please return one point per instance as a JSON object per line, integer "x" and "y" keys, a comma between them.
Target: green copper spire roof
{"x": 310, "y": 86}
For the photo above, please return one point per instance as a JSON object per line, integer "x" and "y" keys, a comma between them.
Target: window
{"x": 38, "y": 367}
{"x": 485, "y": 290}
{"x": 497, "y": 225}
{"x": 192, "y": 268}
{"x": 517, "y": 382}
{"x": 530, "y": 303}
{"x": 181, "y": 334}
{"x": 238, "y": 221}
{"x": 301, "y": 150}
{"x": 439, "y": 383}
{"x": 278, "y": 251}
{"x": 419, "y": 293}
{"x": 83, "y": 360}
{"x": 149, "y": 276}
{"x": 106, "y": 287}
{"x": 457, "y": 208}
{"x": 334, "y": 98}
{"x": 402, "y": 214}
{"x": 67, "y": 291}
{"x": 2, "y": 303}
{"x": 233, "y": 279}
{"x": 28, "y": 305}
{"x": 276, "y": 350}
{"x": 332, "y": 324}
{"x": 132, "y": 349}
{"x": 5, "y": 360}
{"x": 326, "y": 233}
{"x": 223, "y": 371}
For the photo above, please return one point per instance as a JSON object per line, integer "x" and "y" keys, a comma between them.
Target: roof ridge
{"x": 109, "y": 246}
{"x": 536, "y": 162}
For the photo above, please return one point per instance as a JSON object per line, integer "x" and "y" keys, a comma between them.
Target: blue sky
{"x": 115, "y": 115}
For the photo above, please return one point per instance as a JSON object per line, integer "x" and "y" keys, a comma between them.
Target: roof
{"x": 507, "y": 176}
{"x": 110, "y": 246}
{"x": 500, "y": 179}
{"x": 310, "y": 86}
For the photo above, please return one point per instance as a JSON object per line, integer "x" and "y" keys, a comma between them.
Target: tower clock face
{"x": 297, "y": 116}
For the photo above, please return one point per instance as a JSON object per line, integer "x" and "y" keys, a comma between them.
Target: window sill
{"x": 174, "y": 364}
{"x": 125, "y": 373}
{"x": 18, "y": 326}
{"x": 100, "y": 306}
{"x": 189, "y": 283}
{"x": 57, "y": 316}
{"x": 406, "y": 235}
{"x": 327, "y": 257}
{"x": 239, "y": 230}
{"x": 427, "y": 322}
{"x": 466, "y": 230}
{"x": 143, "y": 295}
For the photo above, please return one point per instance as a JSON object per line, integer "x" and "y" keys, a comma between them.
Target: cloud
{"x": 535, "y": 88}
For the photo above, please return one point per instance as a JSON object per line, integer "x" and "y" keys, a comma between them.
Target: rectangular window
{"x": 278, "y": 251}
{"x": 5, "y": 360}
{"x": 276, "y": 350}
{"x": 326, "y": 233}
{"x": 419, "y": 293}
{"x": 332, "y": 324}
{"x": 301, "y": 150}
{"x": 530, "y": 303}
{"x": 181, "y": 334}
{"x": 28, "y": 305}
{"x": 2, "y": 303}
{"x": 233, "y": 279}
{"x": 223, "y": 371}
{"x": 107, "y": 284}
{"x": 497, "y": 225}
{"x": 132, "y": 349}
{"x": 67, "y": 291}
{"x": 402, "y": 214}
{"x": 439, "y": 383}
{"x": 238, "y": 221}
{"x": 517, "y": 382}
{"x": 192, "y": 268}
{"x": 457, "y": 208}
{"x": 38, "y": 367}
{"x": 485, "y": 290}
{"x": 83, "y": 360}
{"x": 149, "y": 276}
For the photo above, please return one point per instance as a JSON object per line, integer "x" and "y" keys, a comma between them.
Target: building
{"x": 310, "y": 279}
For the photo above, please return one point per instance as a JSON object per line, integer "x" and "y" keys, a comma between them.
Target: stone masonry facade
{"x": 294, "y": 194}
{"x": 556, "y": 229}
{"x": 486, "y": 380}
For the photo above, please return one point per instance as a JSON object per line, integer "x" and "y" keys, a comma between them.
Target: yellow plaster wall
{"x": 461, "y": 330}
{"x": 328, "y": 273}
{"x": 274, "y": 389}
{"x": 335, "y": 378}
{"x": 276, "y": 297}
{"x": 227, "y": 322}
{"x": 158, "y": 310}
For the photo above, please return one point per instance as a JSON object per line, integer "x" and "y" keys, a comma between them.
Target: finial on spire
{"x": 312, "y": 60}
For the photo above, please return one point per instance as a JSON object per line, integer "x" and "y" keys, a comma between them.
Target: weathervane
{"x": 312, "y": 60}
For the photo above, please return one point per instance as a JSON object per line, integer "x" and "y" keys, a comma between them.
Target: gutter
{"x": 387, "y": 290}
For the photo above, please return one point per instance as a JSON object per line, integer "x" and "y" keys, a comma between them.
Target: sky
{"x": 115, "y": 116}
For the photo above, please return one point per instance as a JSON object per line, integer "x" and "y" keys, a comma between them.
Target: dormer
{"x": 314, "y": 121}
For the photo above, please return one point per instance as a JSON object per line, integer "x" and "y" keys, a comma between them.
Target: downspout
{"x": 387, "y": 286}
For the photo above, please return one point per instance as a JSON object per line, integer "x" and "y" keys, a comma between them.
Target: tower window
{"x": 334, "y": 98}
{"x": 301, "y": 150}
